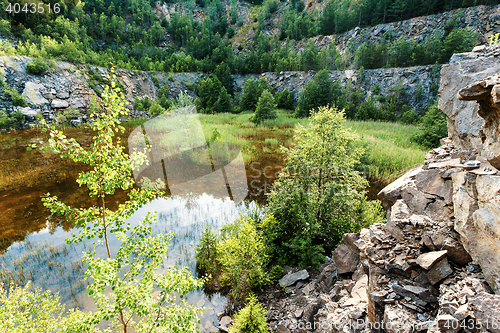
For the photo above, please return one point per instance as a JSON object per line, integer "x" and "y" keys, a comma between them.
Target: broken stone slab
{"x": 423, "y": 293}
{"x": 469, "y": 165}
{"x": 290, "y": 279}
{"x": 427, "y": 260}
{"x": 359, "y": 292}
{"x": 59, "y": 104}
{"x": 455, "y": 162}
{"x": 346, "y": 260}
{"x": 439, "y": 271}
{"x": 379, "y": 296}
{"x": 406, "y": 293}
{"x": 486, "y": 309}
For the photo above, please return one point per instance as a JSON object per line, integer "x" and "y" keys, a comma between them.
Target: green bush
{"x": 284, "y": 100}
{"x": 276, "y": 273}
{"x": 142, "y": 104}
{"x": 266, "y": 108}
{"x": 156, "y": 109}
{"x": 13, "y": 94}
{"x": 206, "y": 255}
{"x": 65, "y": 117}
{"x": 317, "y": 92}
{"x": 319, "y": 196}
{"x": 236, "y": 259}
{"x": 433, "y": 126}
{"x": 250, "y": 319}
{"x": 37, "y": 67}
{"x": 11, "y": 122}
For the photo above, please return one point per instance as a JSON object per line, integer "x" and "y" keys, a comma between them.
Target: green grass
{"x": 390, "y": 147}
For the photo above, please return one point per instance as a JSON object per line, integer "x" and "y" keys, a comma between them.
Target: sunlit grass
{"x": 390, "y": 147}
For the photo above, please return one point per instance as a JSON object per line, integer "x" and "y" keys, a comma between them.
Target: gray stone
{"x": 62, "y": 94}
{"x": 427, "y": 260}
{"x": 439, "y": 271}
{"x": 282, "y": 329}
{"x": 28, "y": 112}
{"x": 225, "y": 321}
{"x": 32, "y": 94}
{"x": 290, "y": 279}
{"x": 59, "y": 104}
{"x": 345, "y": 259}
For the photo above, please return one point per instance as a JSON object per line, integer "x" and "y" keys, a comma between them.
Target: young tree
{"x": 124, "y": 279}
{"x": 266, "y": 108}
{"x": 250, "y": 319}
{"x": 317, "y": 92}
{"x": 319, "y": 196}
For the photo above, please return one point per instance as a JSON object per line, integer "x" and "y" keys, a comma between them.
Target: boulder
{"x": 398, "y": 319}
{"x": 464, "y": 121}
{"x": 427, "y": 260}
{"x": 345, "y": 259}
{"x": 486, "y": 309}
{"x": 59, "y": 104}
{"x": 32, "y": 94}
{"x": 477, "y": 217}
{"x": 290, "y": 279}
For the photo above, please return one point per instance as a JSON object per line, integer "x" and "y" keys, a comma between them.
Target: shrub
{"x": 317, "y": 92}
{"x": 142, "y": 104}
{"x": 319, "y": 196}
{"x": 250, "y": 319}
{"x": 242, "y": 257}
{"x": 433, "y": 126}
{"x": 16, "y": 98}
{"x": 266, "y": 108}
{"x": 156, "y": 109}
{"x": 276, "y": 273}
{"x": 206, "y": 254}
{"x": 65, "y": 117}
{"x": 284, "y": 100}
{"x": 37, "y": 67}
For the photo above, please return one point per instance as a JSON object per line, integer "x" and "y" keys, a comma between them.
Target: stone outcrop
{"x": 464, "y": 122}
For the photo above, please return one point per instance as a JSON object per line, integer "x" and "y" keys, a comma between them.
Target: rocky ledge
{"x": 411, "y": 274}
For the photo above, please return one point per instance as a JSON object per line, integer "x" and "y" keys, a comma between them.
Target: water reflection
{"x": 45, "y": 259}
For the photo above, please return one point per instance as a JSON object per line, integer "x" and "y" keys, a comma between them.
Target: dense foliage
{"x": 319, "y": 196}
{"x": 434, "y": 128}
{"x": 251, "y": 319}
{"x": 131, "y": 35}
{"x": 235, "y": 259}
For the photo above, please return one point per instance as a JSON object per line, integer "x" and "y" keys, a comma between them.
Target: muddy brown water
{"x": 33, "y": 241}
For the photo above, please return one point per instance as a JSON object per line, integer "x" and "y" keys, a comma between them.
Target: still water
{"x": 45, "y": 259}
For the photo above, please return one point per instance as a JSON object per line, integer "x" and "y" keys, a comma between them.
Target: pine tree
{"x": 266, "y": 108}
{"x": 224, "y": 102}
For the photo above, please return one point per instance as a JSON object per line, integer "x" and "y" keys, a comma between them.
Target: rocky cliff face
{"x": 70, "y": 86}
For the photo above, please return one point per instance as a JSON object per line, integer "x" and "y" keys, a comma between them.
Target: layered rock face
{"x": 70, "y": 86}
{"x": 464, "y": 122}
